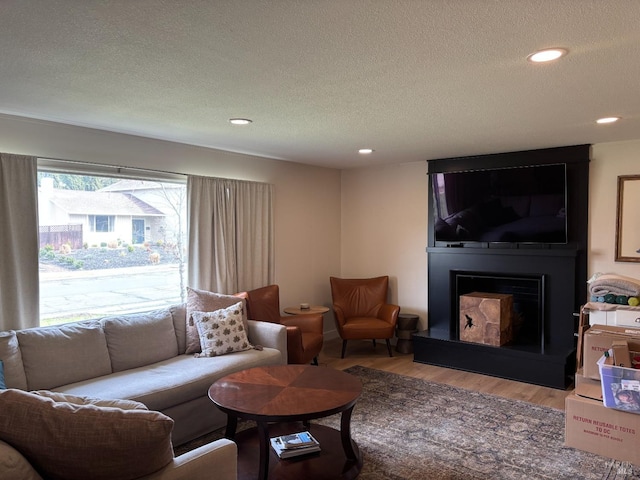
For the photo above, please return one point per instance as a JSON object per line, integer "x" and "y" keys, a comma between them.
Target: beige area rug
{"x": 410, "y": 429}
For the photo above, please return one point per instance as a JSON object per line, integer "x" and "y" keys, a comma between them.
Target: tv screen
{"x": 513, "y": 205}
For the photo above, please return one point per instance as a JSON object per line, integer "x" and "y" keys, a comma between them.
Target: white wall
{"x": 608, "y": 161}
{"x": 384, "y": 230}
{"x": 385, "y": 212}
{"x": 362, "y": 222}
{"x": 307, "y": 199}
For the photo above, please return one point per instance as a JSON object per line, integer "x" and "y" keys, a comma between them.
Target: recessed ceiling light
{"x": 365, "y": 151}
{"x": 547, "y": 55}
{"x": 240, "y": 121}
{"x": 607, "y": 119}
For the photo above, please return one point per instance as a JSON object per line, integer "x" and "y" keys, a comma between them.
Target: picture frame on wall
{"x": 628, "y": 219}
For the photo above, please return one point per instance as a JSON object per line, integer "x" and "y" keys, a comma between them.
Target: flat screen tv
{"x": 510, "y": 205}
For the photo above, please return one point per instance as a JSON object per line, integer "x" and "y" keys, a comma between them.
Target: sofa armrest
{"x": 14, "y": 466}
{"x": 270, "y": 335}
{"x": 217, "y": 459}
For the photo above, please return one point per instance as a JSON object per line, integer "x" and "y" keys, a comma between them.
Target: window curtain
{"x": 231, "y": 244}
{"x": 19, "y": 285}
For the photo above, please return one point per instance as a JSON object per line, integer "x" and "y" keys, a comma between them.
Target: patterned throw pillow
{"x": 221, "y": 331}
{"x": 204, "y": 301}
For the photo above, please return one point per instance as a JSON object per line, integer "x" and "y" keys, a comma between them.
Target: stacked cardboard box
{"x": 589, "y": 425}
{"x": 599, "y": 338}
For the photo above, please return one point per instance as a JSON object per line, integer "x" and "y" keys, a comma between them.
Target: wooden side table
{"x": 304, "y": 311}
{"x": 406, "y": 326}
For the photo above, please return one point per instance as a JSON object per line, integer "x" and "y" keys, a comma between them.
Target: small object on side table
{"x": 406, "y": 326}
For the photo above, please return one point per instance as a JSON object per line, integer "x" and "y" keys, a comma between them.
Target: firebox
{"x": 542, "y": 284}
{"x": 527, "y": 302}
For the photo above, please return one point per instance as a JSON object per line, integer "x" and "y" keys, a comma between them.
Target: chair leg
{"x": 374, "y": 343}
{"x": 315, "y": 361}
{"x": 389, "y": 347}
{"x": 344, "y": 347}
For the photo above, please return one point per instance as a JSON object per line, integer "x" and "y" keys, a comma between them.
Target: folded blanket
{"x": 616, "y": 284}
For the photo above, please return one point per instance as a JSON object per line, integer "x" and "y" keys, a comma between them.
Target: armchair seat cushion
{"x": 366, "y": 327}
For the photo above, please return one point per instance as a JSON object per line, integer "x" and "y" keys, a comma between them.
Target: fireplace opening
{"x": 527, "y": 291}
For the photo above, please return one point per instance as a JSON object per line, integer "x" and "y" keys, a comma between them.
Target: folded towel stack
{"x": 609, "y": 283}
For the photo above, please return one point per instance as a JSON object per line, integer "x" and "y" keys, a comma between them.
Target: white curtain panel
{"x": 19, "y": 285}
{"x": 231, "y": 245}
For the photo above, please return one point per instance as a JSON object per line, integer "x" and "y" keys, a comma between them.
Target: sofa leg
{"x": 315, "y": 361}
{"x": 389, "y": 347}
{"x": 344, "y": 347}
{"x": 374, "y": 342}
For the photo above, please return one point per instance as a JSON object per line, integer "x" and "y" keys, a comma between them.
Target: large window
{"x": 109, "y": 245}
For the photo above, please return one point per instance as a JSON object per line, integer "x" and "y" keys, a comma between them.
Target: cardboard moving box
{"x": 587, "y": 387}
{"x": 592, "y": 427}
{"x": 598, "y": 339}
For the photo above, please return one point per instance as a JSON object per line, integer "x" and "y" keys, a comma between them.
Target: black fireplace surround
{"x": 547, "y": 282}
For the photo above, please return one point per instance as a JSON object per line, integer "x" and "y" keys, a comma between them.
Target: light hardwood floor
{"x": 363, "y": 353}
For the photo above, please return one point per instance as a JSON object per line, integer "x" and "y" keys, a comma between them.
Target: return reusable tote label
{"x": 592, "y": 427}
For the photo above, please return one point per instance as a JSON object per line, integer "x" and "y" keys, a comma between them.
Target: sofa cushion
{"x": 179, "y": 315}
{"x": 139, "y": 339}
{"x": 84, "y": 400}
{"x": 10, "y": 355}
{"x": 222, "y": 331}
{"x": 175, "y": 381}
{"x": 14, "y": 466}
{"x": 54, "y": 356}
{"x": 204, "y": 301}
{"x": 62, "y": 440}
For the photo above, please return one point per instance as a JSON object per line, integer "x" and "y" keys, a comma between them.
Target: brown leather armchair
{"x": 304, "y": 332}
{"x": 361, "y": 310}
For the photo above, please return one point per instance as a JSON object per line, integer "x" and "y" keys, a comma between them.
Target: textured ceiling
{"x": 413, "y": 79}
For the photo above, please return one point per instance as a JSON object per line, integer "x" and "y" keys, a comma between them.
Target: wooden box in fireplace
{"x": 486, "y": 318}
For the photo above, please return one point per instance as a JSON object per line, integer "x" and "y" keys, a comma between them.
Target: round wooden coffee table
{"x": 282, "y": 399}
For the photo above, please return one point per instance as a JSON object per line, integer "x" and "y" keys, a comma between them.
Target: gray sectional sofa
{"x": 135, "y": 357}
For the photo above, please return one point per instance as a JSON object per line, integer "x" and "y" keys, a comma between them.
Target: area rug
{"x": 410, "y": 429}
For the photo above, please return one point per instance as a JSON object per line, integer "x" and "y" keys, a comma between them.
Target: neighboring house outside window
{"x": 165, "y": 198}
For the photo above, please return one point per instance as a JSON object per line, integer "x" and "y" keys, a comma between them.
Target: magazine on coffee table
{"x": 294, "y": 444}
